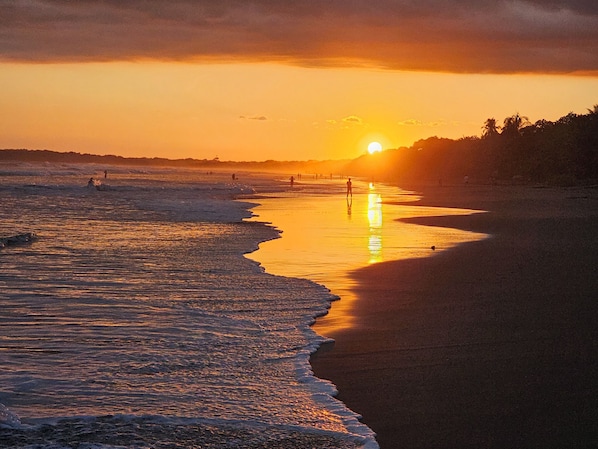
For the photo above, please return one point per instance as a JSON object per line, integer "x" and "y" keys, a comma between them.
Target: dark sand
{"x": 493, "y": 344}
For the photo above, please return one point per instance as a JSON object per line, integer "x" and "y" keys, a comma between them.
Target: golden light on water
{"x": 326, "y": 237}
{"x": 374, "y": 213}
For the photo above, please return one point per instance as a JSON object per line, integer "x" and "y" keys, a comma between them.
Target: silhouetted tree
{"x": 490, "y": 128}
{"x": 512, "y": 125}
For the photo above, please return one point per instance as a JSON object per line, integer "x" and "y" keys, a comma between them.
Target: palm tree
{"x": 490, "y": 128}
{"x": 512, "y": 125}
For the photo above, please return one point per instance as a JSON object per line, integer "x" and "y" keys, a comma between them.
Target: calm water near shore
{"x": 326, "y": 235}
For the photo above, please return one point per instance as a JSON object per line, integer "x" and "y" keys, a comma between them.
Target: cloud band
{"x": 548, "y": 36}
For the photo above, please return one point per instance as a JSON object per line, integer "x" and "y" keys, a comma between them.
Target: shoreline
{"x": 490, "y": 344}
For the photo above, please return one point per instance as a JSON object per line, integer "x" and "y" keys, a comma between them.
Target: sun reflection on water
{"x": 375, "y": 225}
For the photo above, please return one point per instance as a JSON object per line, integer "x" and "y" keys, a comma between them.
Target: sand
{"x": 493, "y": 344}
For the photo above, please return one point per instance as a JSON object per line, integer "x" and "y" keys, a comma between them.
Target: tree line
{"x": 563, "y": 152}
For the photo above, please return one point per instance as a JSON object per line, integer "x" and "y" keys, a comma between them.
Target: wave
{"x": 160, "y": 432}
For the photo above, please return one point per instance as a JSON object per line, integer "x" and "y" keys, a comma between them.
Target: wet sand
{"x": 493, "y": 344}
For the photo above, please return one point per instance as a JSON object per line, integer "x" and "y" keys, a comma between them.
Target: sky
{"x": 285, "y": 80}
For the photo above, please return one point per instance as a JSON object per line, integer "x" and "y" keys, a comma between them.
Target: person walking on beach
{"x": 349, "y": 188}
{"x": 292, "y": 181}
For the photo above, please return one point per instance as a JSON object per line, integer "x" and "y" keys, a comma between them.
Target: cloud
{"x": 542, "y": 36}
{"x": 353, "y": 120}
{"x": 434, "y": 123}
{"x": 348, "y": 122}
{"x": 410, "y": 122}
{"x": 257, "y": 117}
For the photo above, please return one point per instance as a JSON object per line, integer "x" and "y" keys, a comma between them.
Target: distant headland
{"x": 40, "y": 156}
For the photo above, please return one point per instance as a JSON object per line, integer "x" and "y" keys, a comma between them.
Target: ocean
{"x": 141, "y": 315}
{"x": 134, "y": 319}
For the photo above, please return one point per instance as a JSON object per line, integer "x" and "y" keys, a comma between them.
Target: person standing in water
{"x": 349, "y": 188}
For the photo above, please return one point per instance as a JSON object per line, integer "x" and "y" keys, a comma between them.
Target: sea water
{"x": 327, "y": 235}
{"x": 134, "y": 320}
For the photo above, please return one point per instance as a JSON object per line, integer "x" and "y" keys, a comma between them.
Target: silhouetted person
{"x": 349, "y": 188}
{"x": 105, "y": 174}
{"x": 90, "y": 183}
{"x": 292, "y": 181}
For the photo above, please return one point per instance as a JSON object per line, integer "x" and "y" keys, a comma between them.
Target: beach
{"x": 465, "y": 328}
{"x": 491, "y": 344}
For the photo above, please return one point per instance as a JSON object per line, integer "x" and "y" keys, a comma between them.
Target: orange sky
{"x": 268, "y": 80}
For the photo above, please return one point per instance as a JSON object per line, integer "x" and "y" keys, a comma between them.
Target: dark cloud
{"x": 548, "y": 36}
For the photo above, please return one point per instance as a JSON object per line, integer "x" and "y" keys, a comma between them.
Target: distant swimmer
{"x": 349, "y": 188}
{"x": 91, "y": 183}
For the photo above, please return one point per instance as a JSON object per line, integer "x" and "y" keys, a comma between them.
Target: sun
{"x": 374, "y": 147}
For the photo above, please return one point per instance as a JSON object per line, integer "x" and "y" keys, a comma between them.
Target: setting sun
{"x": 374, "y": 147}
